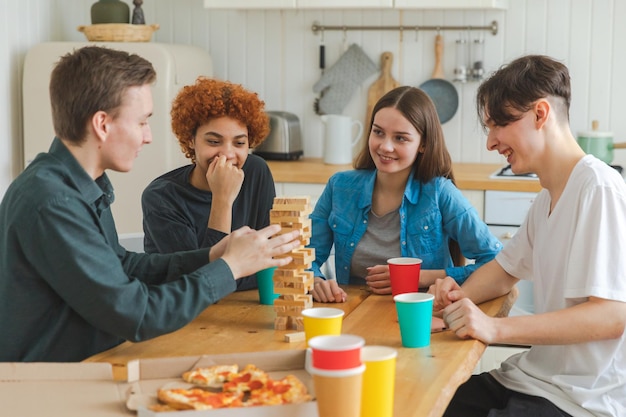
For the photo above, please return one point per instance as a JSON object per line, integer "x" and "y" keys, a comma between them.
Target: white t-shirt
{"x": 576, "y": 252}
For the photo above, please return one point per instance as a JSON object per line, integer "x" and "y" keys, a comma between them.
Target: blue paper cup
{"x": 415, "y": 312}
{"x": 265, "y": 282}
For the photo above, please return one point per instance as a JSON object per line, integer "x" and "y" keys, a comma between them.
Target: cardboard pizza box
{"x": 88, "y": 389}
{"x": 146, "y": 376}
{"x": 61, "y": 389}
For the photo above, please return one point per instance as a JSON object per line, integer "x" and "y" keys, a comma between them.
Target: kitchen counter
{"x": 468, "y": 176}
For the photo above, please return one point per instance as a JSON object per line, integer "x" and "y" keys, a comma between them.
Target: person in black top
{"x": 224, "y": 188}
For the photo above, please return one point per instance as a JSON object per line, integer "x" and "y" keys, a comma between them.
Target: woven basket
{"x": 118, "y": 32}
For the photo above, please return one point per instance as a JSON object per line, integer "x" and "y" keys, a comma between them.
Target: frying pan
{"x": 441, "y": 91}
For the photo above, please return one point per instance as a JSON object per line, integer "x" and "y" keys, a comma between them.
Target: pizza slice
{"x": 212, "y": 376}
{"x": 288, "y": 390}
{"x": 198, "y": 399}
{"x": 250, "y": 378}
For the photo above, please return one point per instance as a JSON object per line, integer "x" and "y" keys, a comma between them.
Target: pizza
{"x": 288, "y": 390}
{"x": 246, "y": 388}
{"x": 249, "y": 379}
{"x": 198, "y": 399}
{"x": 213, "y": 376}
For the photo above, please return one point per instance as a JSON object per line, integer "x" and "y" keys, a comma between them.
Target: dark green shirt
{"x": 68, "y": 290}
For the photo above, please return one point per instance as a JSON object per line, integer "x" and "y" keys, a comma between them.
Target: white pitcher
{"x": 339, "y": 138}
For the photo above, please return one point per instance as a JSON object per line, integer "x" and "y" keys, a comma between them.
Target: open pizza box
{"x": 61, "y": 389}
{"x": 88, "y": 389}
{"x": 146, "y": 376}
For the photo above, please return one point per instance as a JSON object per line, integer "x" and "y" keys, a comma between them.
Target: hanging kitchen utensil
{"x": 322, "y": 58}
{"x": 379, "y": 88}
{"x": 441, "y": 91}
{"x": 599, "y": 144}
{"x": 342, "y": 79}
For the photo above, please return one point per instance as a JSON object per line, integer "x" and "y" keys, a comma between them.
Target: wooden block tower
{"x": 292, "y": 282}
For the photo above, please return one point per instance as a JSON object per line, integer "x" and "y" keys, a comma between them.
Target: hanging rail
{"x": 317, "y": 27}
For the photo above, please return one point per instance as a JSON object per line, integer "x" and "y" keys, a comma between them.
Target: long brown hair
{"x": 435, "y": 161}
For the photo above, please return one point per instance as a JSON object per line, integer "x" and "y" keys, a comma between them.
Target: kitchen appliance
{"x": 504, "y": 213}
{"x": 175, "y": 65}
{"x": 339, "y": 138}
{"x": 284, "y": 141}
{"x": 599, "y": 144}
{"x": 506, "y": 172}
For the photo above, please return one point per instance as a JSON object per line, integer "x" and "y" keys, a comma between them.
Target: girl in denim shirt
{"x": 400, "y": 200}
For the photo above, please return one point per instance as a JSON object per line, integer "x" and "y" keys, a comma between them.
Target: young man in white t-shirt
{"x": 572, "y": 245}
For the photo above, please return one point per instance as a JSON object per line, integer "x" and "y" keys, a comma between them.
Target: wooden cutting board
{"x": 379, "y": 88}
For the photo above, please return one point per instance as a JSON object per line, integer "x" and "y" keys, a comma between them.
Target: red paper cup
{"x": 333, "y": 353}
{"x": 404, "y": 274}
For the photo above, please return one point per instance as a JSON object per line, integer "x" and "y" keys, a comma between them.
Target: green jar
{"x": 110, "y": 11}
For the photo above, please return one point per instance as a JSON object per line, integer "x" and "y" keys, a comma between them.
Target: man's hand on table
{"x": 459, "y": 313}
{"x": 446, "y": 291}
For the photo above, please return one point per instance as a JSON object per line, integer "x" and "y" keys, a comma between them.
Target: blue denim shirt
{"x": 430, "y": 215}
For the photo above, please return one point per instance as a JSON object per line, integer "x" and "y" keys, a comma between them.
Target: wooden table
{"x": 237, "y": 323}
{"x": 426, "y": 378}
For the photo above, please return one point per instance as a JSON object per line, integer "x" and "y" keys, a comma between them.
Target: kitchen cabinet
{"x": 356, "y": 4}
{"x": 344, "y": 4}
{"x": 451, "y": 4}
{"x": 477, "y": 198}
{"x": 250, "y": 4}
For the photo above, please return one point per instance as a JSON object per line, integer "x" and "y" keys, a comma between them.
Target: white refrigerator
{"x": 175, "y": 65}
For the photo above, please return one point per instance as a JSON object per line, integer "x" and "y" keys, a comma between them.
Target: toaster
{"x": 284, "y": 141}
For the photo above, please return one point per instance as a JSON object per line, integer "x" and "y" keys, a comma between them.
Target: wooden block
{"x": 301, "y": 284}
{"x": 285, "y": 213}
{"x": 290, "y": 290}
{"x": 293, "y": 200}
{"x": 297, "y": 262}
{"x": 288, "y": 297}
{"x": 295, "y": 337}
{"x": 293, "y": 207}
{"x": 291, "y": 312}
{"x": 297, "y": 323}
{"x": 286, "y": 273}
{"x": 283, "y": 304}
{"x": 302, "y": 278}
{"x": 302, "y": 253}
{"x": 280, "y": 323}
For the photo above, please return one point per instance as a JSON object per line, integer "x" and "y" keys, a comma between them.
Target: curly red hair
{"x": 209, "y": 99}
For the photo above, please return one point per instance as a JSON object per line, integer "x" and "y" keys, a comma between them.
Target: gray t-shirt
{"x": 380, "y": 242}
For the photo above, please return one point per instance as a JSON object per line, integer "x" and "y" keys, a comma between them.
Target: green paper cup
{"x": 415, "y": 312}
{"x": 265, "y": 282}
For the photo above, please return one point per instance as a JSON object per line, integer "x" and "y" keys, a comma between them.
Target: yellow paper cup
{"x": 378, "y": 381}
{"x": 322, "y": 321}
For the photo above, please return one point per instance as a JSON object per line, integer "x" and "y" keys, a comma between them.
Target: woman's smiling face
{"x": 393, "y": 142}
{"x": 222, "y": 136}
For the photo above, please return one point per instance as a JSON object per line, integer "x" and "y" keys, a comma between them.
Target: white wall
{"x": 276, "y": 54}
